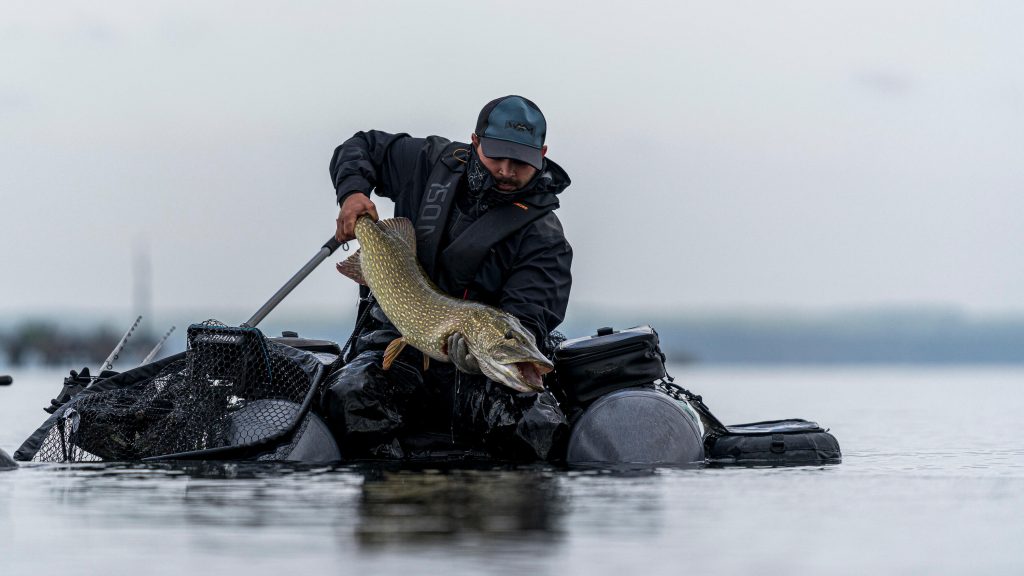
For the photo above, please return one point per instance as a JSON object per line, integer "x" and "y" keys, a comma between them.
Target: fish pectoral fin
{"x": 352, "y": 268}
{"x": 393, "y": 350}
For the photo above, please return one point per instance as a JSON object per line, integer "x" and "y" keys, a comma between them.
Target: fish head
{"x": 507, "y": 352}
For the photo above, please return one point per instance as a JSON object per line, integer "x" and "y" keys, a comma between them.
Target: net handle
{"x": 325, "y": 251}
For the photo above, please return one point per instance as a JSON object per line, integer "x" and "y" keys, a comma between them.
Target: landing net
{"x": 232, "y": 394}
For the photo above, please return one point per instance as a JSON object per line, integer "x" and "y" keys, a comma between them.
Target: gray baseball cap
{"x": 512, "y": 127}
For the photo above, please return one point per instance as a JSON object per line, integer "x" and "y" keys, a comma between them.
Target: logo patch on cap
{"x": 520, "y": 126}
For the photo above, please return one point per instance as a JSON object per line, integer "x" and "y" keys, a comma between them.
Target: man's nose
{"x": 506, "y": 166}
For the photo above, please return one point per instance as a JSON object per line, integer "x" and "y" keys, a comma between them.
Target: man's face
{"x": 509, "y": 175}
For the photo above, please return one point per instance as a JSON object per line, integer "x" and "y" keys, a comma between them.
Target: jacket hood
{"x": 551, "y": 180}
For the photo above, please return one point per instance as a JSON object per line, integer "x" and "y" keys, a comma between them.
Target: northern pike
{"x": 426, "y": 317}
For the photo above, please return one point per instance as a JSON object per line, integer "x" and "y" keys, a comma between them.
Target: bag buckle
{"x": 778, "y": 443}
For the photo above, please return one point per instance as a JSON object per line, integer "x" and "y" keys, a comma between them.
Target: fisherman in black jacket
{"x": 485, "y": 231}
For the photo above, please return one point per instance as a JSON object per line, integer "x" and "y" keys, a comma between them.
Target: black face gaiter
{"x": 477, "y": 176}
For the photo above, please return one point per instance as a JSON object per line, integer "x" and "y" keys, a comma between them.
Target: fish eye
{"x": 509, "y": 335}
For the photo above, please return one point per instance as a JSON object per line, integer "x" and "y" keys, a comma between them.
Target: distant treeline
{"x": 876, "y": 339}
{"x": 872, "y": 337}
{"x": 45, "y": 342}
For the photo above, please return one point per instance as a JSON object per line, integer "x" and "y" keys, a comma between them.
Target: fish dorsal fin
{"x": 350, "y": 267}
{"x": 400, "y": 228}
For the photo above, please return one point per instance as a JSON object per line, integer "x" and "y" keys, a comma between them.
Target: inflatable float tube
{"x": 636, "y": 426}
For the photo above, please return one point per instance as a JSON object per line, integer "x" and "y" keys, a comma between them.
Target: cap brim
{"x": 504, "y": 149}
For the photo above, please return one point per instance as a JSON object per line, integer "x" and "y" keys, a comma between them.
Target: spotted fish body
{"x": 427, "y": 317}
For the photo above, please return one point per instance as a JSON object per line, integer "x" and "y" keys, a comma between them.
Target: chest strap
{"x": 436, "y": 203}
{"x": 461, "y": 260}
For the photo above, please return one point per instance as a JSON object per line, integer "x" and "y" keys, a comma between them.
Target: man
{"x": 485, "y": 231}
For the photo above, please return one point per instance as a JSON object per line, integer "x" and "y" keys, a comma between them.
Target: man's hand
{"x": 458, "y": 353}
{"x": 355, "y": 206}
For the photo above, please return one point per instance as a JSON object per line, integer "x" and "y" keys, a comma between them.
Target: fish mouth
{"x": 532, "y": 374}
{"x": 525, "y": 375}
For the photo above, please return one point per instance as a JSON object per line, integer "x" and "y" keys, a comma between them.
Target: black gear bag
{"x": 773, "y": 443}
{"x": 592, "y": 366}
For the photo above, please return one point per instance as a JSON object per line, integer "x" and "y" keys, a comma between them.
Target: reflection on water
{"x": 388, "y": 504}
{"x": 438, "y": 505}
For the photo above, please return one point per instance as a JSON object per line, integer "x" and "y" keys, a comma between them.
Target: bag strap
{"x": 463, "y": 257}
{"x": 676, "y": 391}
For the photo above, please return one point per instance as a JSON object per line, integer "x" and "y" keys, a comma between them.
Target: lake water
{"x": 932, "y": 482}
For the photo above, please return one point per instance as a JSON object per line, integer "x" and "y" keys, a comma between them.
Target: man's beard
{"x": 498, "y": 182}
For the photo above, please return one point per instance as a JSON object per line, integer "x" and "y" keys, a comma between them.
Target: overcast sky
{"x": 723, "y": 155}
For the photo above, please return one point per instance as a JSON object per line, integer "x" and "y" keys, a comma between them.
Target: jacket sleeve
{"x": 536, "y": 289}
{"x": 380, "y": 162}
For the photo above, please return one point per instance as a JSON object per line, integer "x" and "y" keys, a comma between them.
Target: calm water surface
{"x": 932, "y": 483}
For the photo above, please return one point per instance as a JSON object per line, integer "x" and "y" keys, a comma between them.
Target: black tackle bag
{"x": 592, "y": 366}
{"x": 792, "y": 442}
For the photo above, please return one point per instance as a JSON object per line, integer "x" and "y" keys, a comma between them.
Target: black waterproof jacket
{"x": 515, "y": 256}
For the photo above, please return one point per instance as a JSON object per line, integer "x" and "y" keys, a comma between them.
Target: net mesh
{"x": 233, "y": 388}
